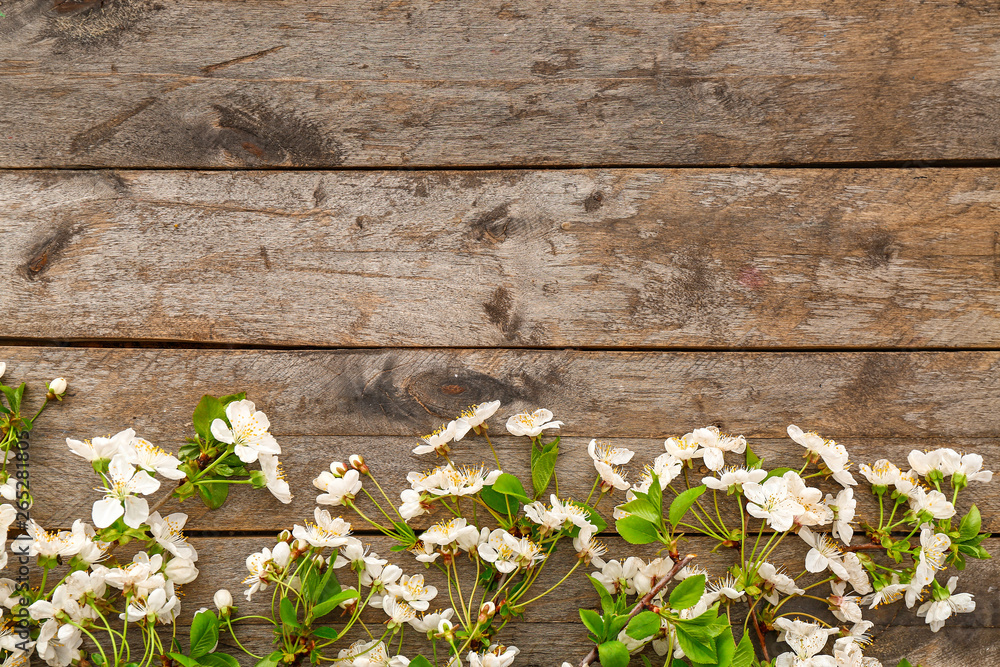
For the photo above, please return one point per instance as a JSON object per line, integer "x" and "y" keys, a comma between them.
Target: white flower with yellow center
{"x": 777, "y": 582}
{"x": 934, "y": 549}
{"x": 834, "y": 456}
{"x": 412, "y": 505}
{"x": 474, "y": 417}
{"x": 122, "y": 483}
{"x": 446, "y": 532}
{"x": 496, "y": 655}
{"x": 715, "y": 444}
{"x": 844, "y": 507}
{"x": 772, "y": 502}
{"x": 168, "y": 534}
{"x": 588, "y": 549}
{"x": 805, "y": 640}
{"x": 932, "y": 502}
{"x": 945, "y": 461}
{"x": 154, "y": 607}
{"x": 881, "y": 473}
{"x": 844, "y": 607}
{"x": 52, "y": 543}
{"x": 364, "y": 654}
{"x": 102, "y": 448}
{"x": 857, "y": 575}
{"x": 887, "y": 594}
{"x": 824, "y": 554}
{"x": 152, "y": 459}
{"x": 338, "y": 487}
{"x": 413, "y": 591}
{"x": 734, "y": 477}
{"x": 607, "y": 460}
{"x": 498, "y": 549}
{"x": 248, "y": 431}
{"x": 438, "y": 440}
{"x": 326, "y": 532}
{"x": 683, "y": 448}
{"x": 399, "y": 611}
{"x": 971, "y": 470}
{"x": 814, "y": 512}
{"x": 531, "y": 424}
{"x": 937, "y": 611}
{"x": 429, "y": 622}
{"x": 274, "y": 477}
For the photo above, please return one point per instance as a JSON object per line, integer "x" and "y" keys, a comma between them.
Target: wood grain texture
{"x": 620, "y": 258}
{"x": 898, "y": 631}
{"x": 419, "y": 83}
{"x": 326, "y": 405}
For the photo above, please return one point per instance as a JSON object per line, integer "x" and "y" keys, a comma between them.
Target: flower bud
{"x": 223, "y": 601}
{"x": 445, "y": 630}
{"x": 300, "y": 545}
{"x": 285, "y": 536}
{"x": 338, "y": 468}
{"x": 58, "y": 386}
{"x": 487, "y": 611}
{"x": 181, "y": 571}
{"x": 358, "y": 463}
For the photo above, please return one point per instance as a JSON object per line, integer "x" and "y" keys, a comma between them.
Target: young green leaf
{"x": 542, "y": 469}
{"x": 498, "y": 502}
{"x": 682, "y": 503}
{"x": 204, "y": 633}
{"x": 184, "y": 660}
{"x": 697, "y": 645}
{"x": 420, "y": 661}
{"x": 687, "y": 593}
{"x": 607, "y": 604}
{"x": 325, "y": 607}
{"x": 509, "y": 485}
{"x": 745, "y": 655}
{"x": 323, "y": 632}
{"x": 594, "y": 623}
{"x": 287, "y": 612}
{"x": 971, "y": 523}
{"x": 268, "y": 661}
{"x": 753, "y": 461}
{"x": 636, "y": 530}
{"x": 208, "y": 410}
{"x": 643, "y": 625}
{"x": 613, "y": 654}
{"x": 213, "y": 495}
{"x": 219, "y": 660}
{"x": 643, "y": 509}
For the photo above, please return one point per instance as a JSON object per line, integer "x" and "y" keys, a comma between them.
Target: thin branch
{"x": 645, "y": 601}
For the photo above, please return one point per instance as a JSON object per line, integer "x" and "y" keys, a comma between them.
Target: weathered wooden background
{"x": 647, "y": 216}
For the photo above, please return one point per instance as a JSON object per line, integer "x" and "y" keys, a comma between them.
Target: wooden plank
{"x": 898, "y": 632}
{"x": 56, "y": 474}
{"x": 327, "y": 405}
{"x": 415, "y": 83}
{"x": 608, "y": 258}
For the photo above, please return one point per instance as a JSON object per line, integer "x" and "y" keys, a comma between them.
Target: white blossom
{"x": 732, "y": 477}
{"x": 777, "y": 582}
{"x": 844, "y": 507}
{"x": 338, "y": 488}
{"x": 274, "y": 476}
{"x": 834, "y": 456}
{"x": 473, "y": 417}
{"x": 152, "y": 459}
{"x": 122, "y": 484}
{"x": 824, "y": 554}
{"x": 531, "y": 424}
{"x": 167, "y": 533}
{"x": 936, "y": 612}
{"x": 772, "y": 502}
{"x": 248, "y": 432}
{"x": 437, "y": 441}
{"x": 714, "y": 445}
{"x": 326, "y": 532}
{"x": 606, "y": 461}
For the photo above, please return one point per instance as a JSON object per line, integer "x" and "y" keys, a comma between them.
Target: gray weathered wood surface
{"x": 861, "y": 301}
{"x": 215, "y": 83}
{"x": 622, "y": 258}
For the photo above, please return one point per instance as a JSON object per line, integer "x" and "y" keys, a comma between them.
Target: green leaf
{"x": 636, "y": 530}
{"x": 269, "y": 661}
{"x": 204, "y": 633}
{"x": 594, "y": 623}
{"x": 682, "y": 503}
{"x": 744, "y": 655}
{"x": 509, "y": 485}
{"x": 219, "y": 660}
{"x": 613, "y": 654}
{"x": 643, "y": 509}
{"x": 643, "y": 625}
{"x": 325, "y": 607}
{"x": 323, "y": 632}
{"x": 226, "y": 400}
{"x": 183, "y": 659}
{"x": 500, "y": 503}
{"x": 208, "y": 410}
{"x": 753, "y": 461}
{"x": 607, "y": 604}
{"x": 777, "y": 472}
{"x": 617, "y": 623}
{"x": 688, "y": 592}
{"x": 287, "y": 612}
{"x": 655, "y": 495}
{"x": 971, "y": 524}
{"x": 696, "y": 644}
{"x": 213, "y": 495}
{"x": 542, "y": 470}
{"x": 12, "y": 398}
{"x": 420, "y": 661}
{"x": 904, "y": 663}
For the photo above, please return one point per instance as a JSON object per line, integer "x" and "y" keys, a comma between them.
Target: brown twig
{"x": 760, "y": 635}
{"x": 646, "y": 599}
